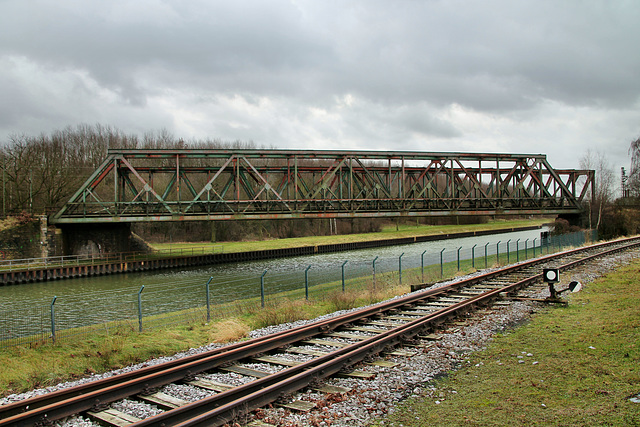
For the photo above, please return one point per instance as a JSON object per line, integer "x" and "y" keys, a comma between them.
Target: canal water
{"x": 239, "y": 280}
{"x": 25, "y": 309}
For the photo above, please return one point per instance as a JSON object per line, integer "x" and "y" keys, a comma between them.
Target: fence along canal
{"x": 160, "y": 299}
{"x": 54, "y": 268}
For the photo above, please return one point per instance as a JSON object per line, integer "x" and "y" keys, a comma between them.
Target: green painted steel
{"x": 262, "y": 289}
{"x": 181, "y": 185}
{"x": 343, "y": 264}
{"x": 53, "y": 319}
{"x": 207, "y": 290}
{"x": 140, "y": 308}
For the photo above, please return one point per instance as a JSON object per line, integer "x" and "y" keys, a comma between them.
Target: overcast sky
{"x": 552, "y": 77}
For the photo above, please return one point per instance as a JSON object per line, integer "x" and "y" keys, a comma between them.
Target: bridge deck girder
{"x": 178, "y": 185}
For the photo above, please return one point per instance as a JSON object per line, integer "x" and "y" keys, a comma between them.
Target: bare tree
{"x": 633, "y": 184}
{"x": 603, "y": 184}
{"x": 40, "y": 173}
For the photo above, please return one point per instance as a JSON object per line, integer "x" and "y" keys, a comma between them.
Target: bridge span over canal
{"x": 188, "y": 185}
{"x": 182, "y": 185}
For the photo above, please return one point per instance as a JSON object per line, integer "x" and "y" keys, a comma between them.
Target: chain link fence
{"x": 71, "y": 316}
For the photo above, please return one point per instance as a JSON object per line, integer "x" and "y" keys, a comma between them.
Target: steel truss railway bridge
{"x": 181, "y": 185}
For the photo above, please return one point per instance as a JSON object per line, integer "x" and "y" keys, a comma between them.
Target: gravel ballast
{"x": 371, "y": 399}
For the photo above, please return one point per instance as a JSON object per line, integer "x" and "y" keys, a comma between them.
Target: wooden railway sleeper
{"x": 480, "y": 302}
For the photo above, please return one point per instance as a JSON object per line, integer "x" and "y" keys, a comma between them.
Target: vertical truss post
{"x": 325, "y": 184}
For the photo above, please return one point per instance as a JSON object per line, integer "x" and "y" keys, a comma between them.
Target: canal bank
{"x": 97, "y": 268}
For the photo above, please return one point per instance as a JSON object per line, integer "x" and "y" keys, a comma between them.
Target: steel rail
{"x": 238, "y": 401}
{"x": 67, "y": 402}
{"x": 284, "y": 337}
{"x": 265, "y": 390}
{"x": 184, "y": 366}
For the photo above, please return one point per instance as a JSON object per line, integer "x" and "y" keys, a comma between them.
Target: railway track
{"x": 236, "y": 379}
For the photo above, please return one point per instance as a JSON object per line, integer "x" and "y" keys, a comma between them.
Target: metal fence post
{"x": 306, "y": 283}
{"x": 53, "y": 320}
{"x": 140, "y": 308}
{"x": 262, "y": 288}
{"x": 518, "y": 250}
{"x": 508, "y": 252}
{"x": 400, "y": 267}
{"x": 343, "y": 264}
{"x": 473, "y": 256}
{"x": 422, "y": 264}
{"x": 534, "y": 248}
{"x": 526, "y": 248}
{"x": 374, "y": 272}
{"x": 441, "y": 265}
{"x": 485, "y": 255}
{"x": 498, "y": 252}
{"x": 459, "y": 257}
{"x": 208, "y": 307}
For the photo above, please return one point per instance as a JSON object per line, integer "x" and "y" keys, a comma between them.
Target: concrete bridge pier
{"x": 94, "y": 239}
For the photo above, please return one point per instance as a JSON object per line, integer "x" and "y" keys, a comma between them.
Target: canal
{"x": 103, "y": 298}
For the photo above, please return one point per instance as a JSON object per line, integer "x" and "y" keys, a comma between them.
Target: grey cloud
{"x": 489, "y": 56}
{"x": 405, "y": 62}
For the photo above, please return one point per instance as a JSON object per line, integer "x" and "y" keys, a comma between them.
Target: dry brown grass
{"x": 282, "y": 312}
{"x": 229, "y": 330}
{"x": 342, "y": 300}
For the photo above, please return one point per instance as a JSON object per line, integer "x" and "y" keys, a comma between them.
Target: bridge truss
{"x": 179, "y": 185}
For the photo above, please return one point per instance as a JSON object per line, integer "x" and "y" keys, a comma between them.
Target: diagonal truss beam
{"x": 168, "y": 185}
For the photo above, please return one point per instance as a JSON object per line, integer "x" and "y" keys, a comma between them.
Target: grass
{"x": 587, "y": 367}
{"x": 117, "y": 344}
{"x": 28, "y": 367}
{"x": 387, "y": 233}
{"x": 164, "y": 250}
{"x": 43, "y": 364}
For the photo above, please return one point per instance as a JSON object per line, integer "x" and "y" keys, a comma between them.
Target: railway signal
{"x": 552, "y": 276}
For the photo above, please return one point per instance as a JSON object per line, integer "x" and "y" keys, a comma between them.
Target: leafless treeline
{"x": 40, "y": 173}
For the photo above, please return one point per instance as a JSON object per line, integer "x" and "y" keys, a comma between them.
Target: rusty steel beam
{"x": 179, "y": 185}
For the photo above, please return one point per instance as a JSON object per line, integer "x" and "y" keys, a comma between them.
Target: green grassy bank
{"x": 390, "y": 232}
{"x": 583, "y": 369}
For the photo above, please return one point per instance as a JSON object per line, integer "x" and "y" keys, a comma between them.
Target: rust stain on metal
{"x": 140, "y": 185}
